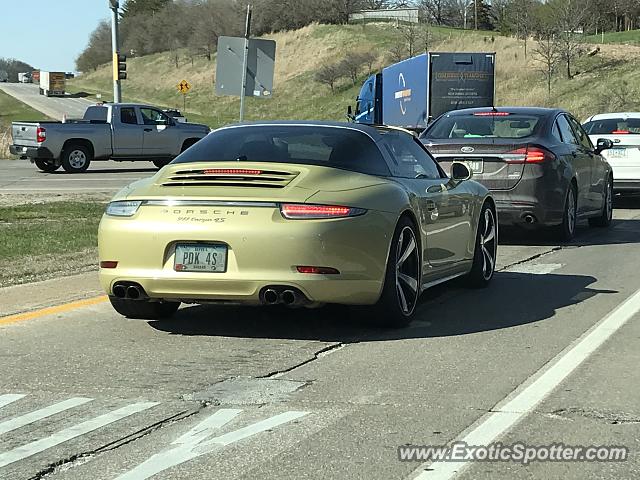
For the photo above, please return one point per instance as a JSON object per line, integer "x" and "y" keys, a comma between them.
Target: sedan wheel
{"x": 567, "y": 229}
{"x": 401, "y": 288}
{"x": 604, "y": 219}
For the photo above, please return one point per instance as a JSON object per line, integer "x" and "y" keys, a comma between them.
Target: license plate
{"x": 200, "y": 258}
{"x": 476, "y": 166}
{"x": 617, "y": 153}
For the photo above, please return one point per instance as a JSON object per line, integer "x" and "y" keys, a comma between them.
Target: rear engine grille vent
{"x": 229, "y": 177}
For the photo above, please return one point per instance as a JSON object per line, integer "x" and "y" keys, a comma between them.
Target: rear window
{"x": 483, "y": 125}
{"x": 308, "y": 145}
{"x": 97, "y": 114}
{"x": 613, "y": 126}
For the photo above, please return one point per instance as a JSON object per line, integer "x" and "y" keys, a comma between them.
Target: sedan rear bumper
{"x": 626, "y": 185}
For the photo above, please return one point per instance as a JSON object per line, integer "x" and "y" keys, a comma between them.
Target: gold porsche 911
{"x": 299, "y": 214}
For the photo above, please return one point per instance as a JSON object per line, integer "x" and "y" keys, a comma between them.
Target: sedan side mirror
{"x": 603, "y": 144}
{"x": 460, "y": 171}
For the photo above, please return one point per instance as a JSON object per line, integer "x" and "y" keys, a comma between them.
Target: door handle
{"x": 148, "y": 129}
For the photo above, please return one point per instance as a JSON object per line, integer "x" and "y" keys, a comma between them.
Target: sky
{"x": 49, "y": 34}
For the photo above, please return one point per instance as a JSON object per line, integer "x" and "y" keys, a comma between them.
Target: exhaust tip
{"x": 270, "y": 296}
{"x": 119, "y": 291}
{"x": 133, "y": 293}
{"x": 530, "y": 219}
{"x": 289, "y": 297}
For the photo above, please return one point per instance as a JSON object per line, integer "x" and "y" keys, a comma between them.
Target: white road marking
{"x": 534, "y": 268}
{"x": 525, "y": 398}
{"x": 25, "y": 451}
{"x": 190, "y": 446}
{"x": 10, "y": 398}
{"x": 31, "y": 417}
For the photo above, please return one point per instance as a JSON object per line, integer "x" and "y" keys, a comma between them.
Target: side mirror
{"x": 603, "y": 144}
{"x": 460, "y": 171}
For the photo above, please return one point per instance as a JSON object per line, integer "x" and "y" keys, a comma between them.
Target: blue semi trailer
{"x": 413, "y": 92}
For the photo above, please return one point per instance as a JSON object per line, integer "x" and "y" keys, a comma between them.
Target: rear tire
{"x": 76, "y": 158}
{"x": 567, "y": 229}
{"x": 143, "y": 310}
{"x": 604, "y": 219}
{"x": 402, "y": 280}
{"x": 486, "y": 250}
{"x": 46, "y": 165}
{"x": 161, "y": 162}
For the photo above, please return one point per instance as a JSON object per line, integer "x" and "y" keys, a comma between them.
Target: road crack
{"x": 81, "y": 458}
{"x": 317, "y": 355}
{"x": 535, "y": 257}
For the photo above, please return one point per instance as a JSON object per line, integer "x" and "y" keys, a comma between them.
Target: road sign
{"x": 260, "y": 65}
{"x": 184, "y": 87}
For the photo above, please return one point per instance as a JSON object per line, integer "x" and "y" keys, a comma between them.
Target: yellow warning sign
{"x": 184, "y": 87}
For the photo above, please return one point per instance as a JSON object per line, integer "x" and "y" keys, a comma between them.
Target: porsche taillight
{"x": 302, "y": 211}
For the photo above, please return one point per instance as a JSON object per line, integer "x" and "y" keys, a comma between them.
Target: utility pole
{"x": 245, "y": 60}
{"x": 475, "y": 11}
{"x": 114, "y": 5}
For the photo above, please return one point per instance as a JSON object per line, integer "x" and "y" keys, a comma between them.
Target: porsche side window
{"x": 410, "y": 160}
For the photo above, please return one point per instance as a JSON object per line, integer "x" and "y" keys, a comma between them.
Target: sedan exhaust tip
{"x": 530, "y": 219}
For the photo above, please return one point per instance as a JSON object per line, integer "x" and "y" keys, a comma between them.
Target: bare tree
{"x": 329, "y": 74}
{"x": 435, "y": 10}
{"x": 410, "y": 36}
{"x": 547, "y": 54}
{"x": 351, "y": 65}
{"x": 570, "y": 18}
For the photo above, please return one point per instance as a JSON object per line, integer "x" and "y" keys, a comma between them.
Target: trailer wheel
{"x": 76, "y": 158}
{"x": 46, "y": 165}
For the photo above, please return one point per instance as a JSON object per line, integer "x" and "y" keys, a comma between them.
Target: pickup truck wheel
{"x": 160, "y": 162}
{"x": 46, "y": 165}
{"x": 76, "y": 158}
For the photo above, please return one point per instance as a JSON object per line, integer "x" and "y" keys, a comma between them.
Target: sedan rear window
{"x": 308, "y": 145}
{"x": 483, "y": 125}
{"x": 613, "y": 126}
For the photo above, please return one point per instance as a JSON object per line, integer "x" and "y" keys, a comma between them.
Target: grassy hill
{"x": 631, "y": 37}
{"x": 605, "y": 81}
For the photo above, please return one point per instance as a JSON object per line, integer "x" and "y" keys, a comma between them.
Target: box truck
{"x": 413, "y": 92}
{"x": 52, "y": 83}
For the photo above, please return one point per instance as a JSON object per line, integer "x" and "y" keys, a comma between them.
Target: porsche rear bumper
{"x": 263, "y": 250}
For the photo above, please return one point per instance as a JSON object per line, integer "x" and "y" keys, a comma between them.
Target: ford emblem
{"x": 467, "y": 149}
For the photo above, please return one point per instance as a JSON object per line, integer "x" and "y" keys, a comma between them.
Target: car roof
{"x": 607, "y": 116}
{"x": 523, "y": 110}
{"x": 373, "y": 131}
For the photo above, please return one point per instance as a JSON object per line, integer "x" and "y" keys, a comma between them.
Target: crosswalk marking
{"x": 9, "y": 398}
{"x": 25, "y": 451}
{"x": 31, "y": 417}
{"x": 190, "y": 446}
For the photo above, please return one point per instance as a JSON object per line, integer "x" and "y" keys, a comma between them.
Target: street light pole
{"x": 245, "y": 60}
{"x": 117, "y": 95}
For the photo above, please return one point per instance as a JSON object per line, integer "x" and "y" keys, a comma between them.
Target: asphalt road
{"x": 54, "y": 107}
{"x": 22, "y": 177}
{"x": 547, "y": 354}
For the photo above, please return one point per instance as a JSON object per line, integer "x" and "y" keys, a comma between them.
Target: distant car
{"x": 538, "y": 163}
{"x": 623, "y": 129}
{"x": 296, "y": 213}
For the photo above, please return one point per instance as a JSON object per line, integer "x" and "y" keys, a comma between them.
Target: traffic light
{"x": 122, "y": 67}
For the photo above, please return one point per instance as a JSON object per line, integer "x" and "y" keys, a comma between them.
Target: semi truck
{"x": 52, "y": 83}
{"x": 413, "y": 92}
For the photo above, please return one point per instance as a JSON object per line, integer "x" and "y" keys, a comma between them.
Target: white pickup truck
{"x": 121, "y": 132}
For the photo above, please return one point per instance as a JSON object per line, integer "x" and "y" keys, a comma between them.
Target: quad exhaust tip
{"x": 530, "y": 219}
{"x": 270, "y": 296}
{"x": 289, "y": 296}
{"x": 129, "y": 291}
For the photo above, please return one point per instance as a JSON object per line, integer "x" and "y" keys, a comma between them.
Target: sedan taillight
{"x": 530, "y": 154}
{"x": 41, "y": 134}
{"x": 301, "y": 211}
